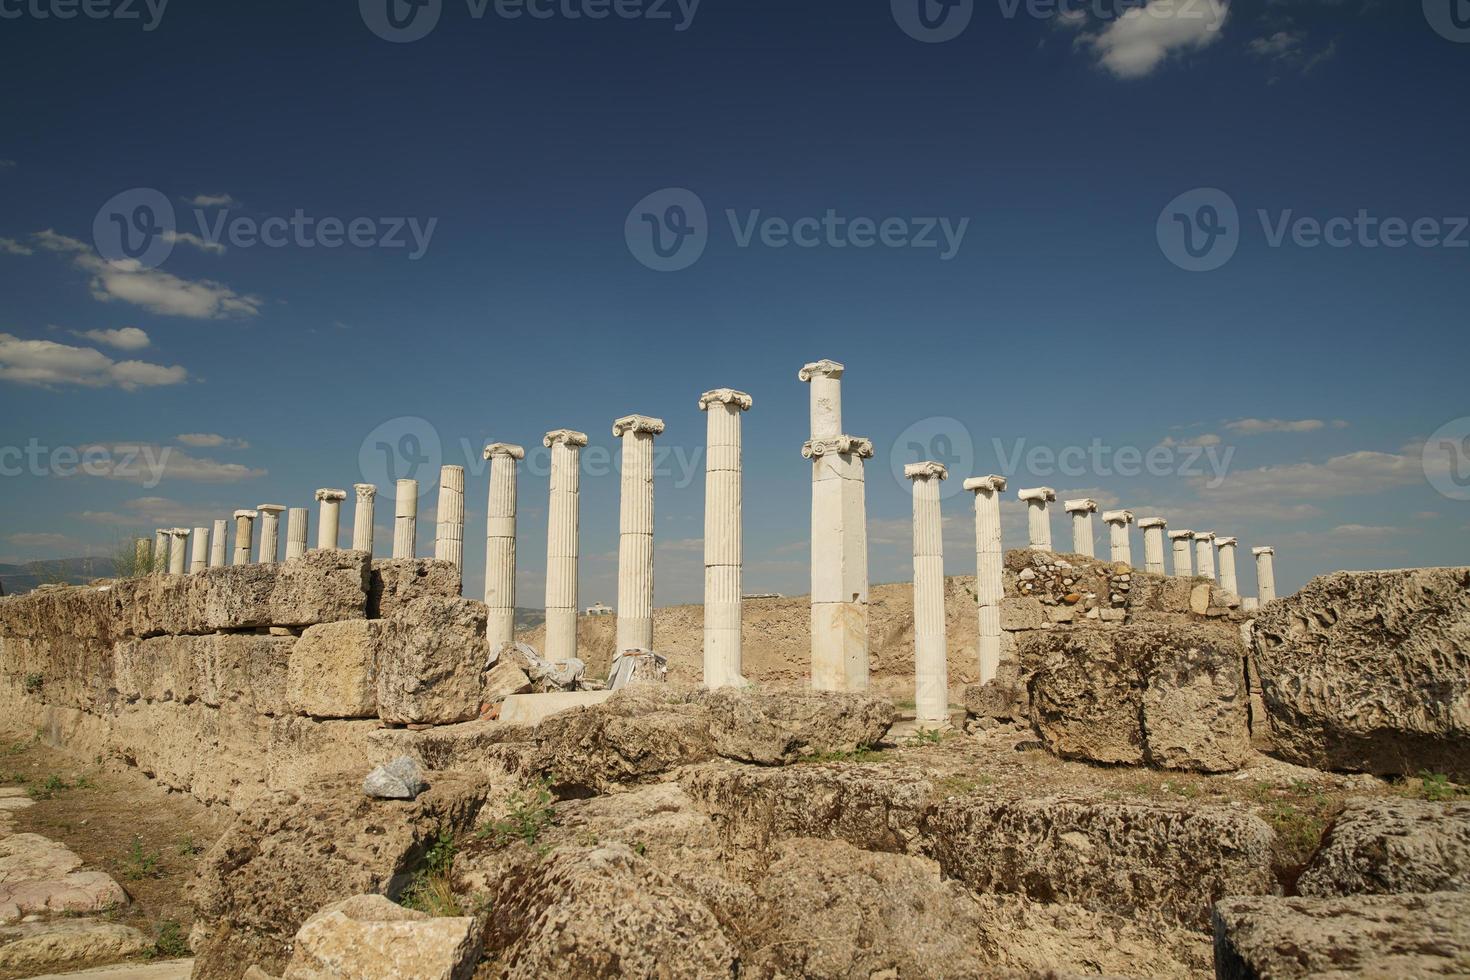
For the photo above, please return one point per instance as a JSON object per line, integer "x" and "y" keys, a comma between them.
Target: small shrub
{"x": 169, "y": 941}
{"x": 529, "y": 812}
{"x": 1436, "y": 787}
{"x": 863, "y": 753}
{"x": 33, "y": 683}
{"x": 140, "y": 864}
{"x": 928, "y": 736}
{"x": 432, "y": 890}
{"x": 188, "y": 847}
{"x": 47, "y": 788}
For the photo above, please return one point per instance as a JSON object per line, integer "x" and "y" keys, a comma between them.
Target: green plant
{"x": 47, "y": 788}
{"x": 33, "y": 683}
{"x": 928, "y": 736}
{"x": 84, "y": 782}
{"x": 863, "y": 753}
{"x": 1299, "y": 826}
{"x": 431, "y": 890}
{"x": 188, "y": 847}
{"x": 169, "y": 941}
{"x": 1436, "y": 786}
{"x": 528, "y": 813}
{"x": 139, "y": 864}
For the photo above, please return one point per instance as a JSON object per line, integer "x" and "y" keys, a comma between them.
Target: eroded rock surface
{"x": 1392, "y": 846}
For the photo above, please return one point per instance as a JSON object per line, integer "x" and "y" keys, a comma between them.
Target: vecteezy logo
{"x": 933, "y": 21}
{"x": 1446, "y": 459}
{"x": 667, "y": 230}
{"x": 135, "y": 226}
{"x": 941, "y": 439}
{"x": 404, "y": 448}
{"x": 400, "y": 21}
{"x": 1199, "y": 230}
{"x": 1449, "y": 18}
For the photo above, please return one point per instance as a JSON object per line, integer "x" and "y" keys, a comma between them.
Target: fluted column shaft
{"x": 405, "y": 518}
{"x": 562, "y": 544}
{"x": 989, "y": 570}
{"x": 178, "y": 551}
{"x": 297, "y": 520}
{"x": 1183, "y": 561}
{"x": 160, "y": 550}
{"x": 270, "y": 532}
{"x": 142, "y": 556}
{"x": 1228, "y": 579}
{"x": 1265, "y": 574}
{"x": 1204, "y": 555}
{"x": 724, "y": 546}
{"x": 635, "y": 533}
{"x": 219, "y": 545}
{"x": 1120, "y": 549}
{"x": 449, "y": 517}
{"x": 199, "y": 558}
{"x": 362, "y": 517}
{"x": 330, "y": 518}
{"x": 244, "y": 529}
{"x": 931, "y": 666}
{"x": 1153, "y": 544}
{"x": 500, "y": 544}
{"x": 1038, "y": 518}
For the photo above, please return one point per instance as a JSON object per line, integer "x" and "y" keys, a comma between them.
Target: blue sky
{"x": 1073, "y": 150}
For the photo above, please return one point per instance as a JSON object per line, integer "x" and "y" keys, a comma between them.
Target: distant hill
{"x": 16, "y": 579}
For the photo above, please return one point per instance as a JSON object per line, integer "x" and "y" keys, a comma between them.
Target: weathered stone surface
{"x": 244, "y": 670}
{"x": 323, "y": 586}
{"x": 1167, "y": 696}
{"x": 40, "y": 875}
{"x": 1361, "y": 936}
{"x": 370, "y": 936}
{"x": 776, "y": 728}
{"x": 1158, "y": 598}
{"x": 1021, "y": 613}
{"x": 1002, "y": 698}
{"x": 161, "y": 668}
{"x": 636, "y": 733}
{"x": 394, "y": 583}
{"x": 1392, "y": 846}
{"x": 503, "y": 680}
{"x": 1370, "y": 672}
{"x": 334, "y": 670}
{"x": 34, "y": 947}
{"x": 430, "y": 660}
{"x": 400, "y": 779}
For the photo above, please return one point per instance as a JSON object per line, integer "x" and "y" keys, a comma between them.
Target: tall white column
{"x": 405, "y": 519}
{"x": 989, "y": 569}
{"x": 1204, "y": 554}
{"x": 244, "y": 529}
{"x": 839, "y": 550}
{"x": 1265, "y": 573}
{"x": 931, "y": 664}
{"x": 362, "y": 517}
{"x": 1153, "y": 544}
{"x": 219, "y": 545}
{"x": 142, "y": 556}
{"x": 562, "y": 542}
{"x": 1082, "y": 511}
{"x": 199, "y": 557}
{"x": 449, "y": 517}
{"x": 1038, "y": 521}
{"x": 1228, "y": 580}
{"x": 178, "y": 550}
{"x": 298, "y": 519}
{"x": 500, "y": 544}
{"x": 330, "y": 518}
{"x": 270, "y": 532}
{"x": 1119, "y": 548}
{"x": 724, "y": 554}
{"x": 1183, "y": 563}
{"x": 635, "y": 532}
{"x": 160, "y": 550}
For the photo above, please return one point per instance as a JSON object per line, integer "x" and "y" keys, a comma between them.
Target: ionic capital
{"x": 277, "y": 509}
{"x": 725, "y": 396}
{"x": 1263, "y": 551}
{"x": 570, "y": 437}
{"x": 823, "y": 368}
{"x": 1225, "y": 542}
{"x": 638, "y": 423}
{"x": 329, "y": 494}
{"x": 505, "y": 449}
{"x": 1149, "y": 522}
{"x": 990, "y": 483}
{"x": 249, "y": 515}
{"x": 1124, "y": 517}
{"x": 1181, "y": 535}
{"x": 1204, "y": 535}
{"x": 178, "y": 532}
{"x": 926, "y": 470}
{"x": 365, "y": 491}
{"x": 1084, "y": 506}
{"x": 842, "y": 445}
{"x": 1042, "y": 494}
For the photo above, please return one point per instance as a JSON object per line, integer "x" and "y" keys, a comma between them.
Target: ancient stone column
{"x": 405, "y": 518}
{"x": 1265, "y": 573}
{"x": 931, "y": 666}
{"x": 635, "y": 532}
{"x": 160, "y": 550}
{"x": 270, "y": 532}
{"x": 1038, "y": 522}
{"x": 1204, "y": 554}
{"x": 724, "y": 554}
{"x": 1183, "y": 564}
{"x": 839, "y": 549}
{"x": 219, "y": 545}
{"x": 362, "y": 517}
{"x": 178, "y": 550}
{"x": 297, "y": 520}
{"x": 1153, "y": 544}
{"x": 1120, "y": 550}
{"x": 330, "y": 518}
{"x": 449, "y": 517}
{"x": 142, "y": 556}
{"x": 989, "y": 568}
{"x": 500, "y": 544}
{"x": 1228, "y": 581}
{"x": 562, "y": 542}
{"x": 1082, "y": 511}
{"x": 244, "y": 528}
{"x": 199, "y": 558}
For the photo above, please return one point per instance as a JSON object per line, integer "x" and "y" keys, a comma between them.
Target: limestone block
{"x": 775, "y": 728}
{"x": 334, "y": 669}
{"x": 1392, "y": 846}
{"x": 394, "y": 583}
{"x": 244, "y": 669}
{"x": 371, "y": 936}
{"x": 160, "y": 668}
{"x": 532, "y": 709}
{"x": 1021, "y": 613}
{"x": 637, "y": 733}
{"x": 34, "y": 948}
{"x": 430, "y": 662}
{"x": 1001, "y": 698}
{"x": 323, "y": 586}
{"x": 502, "y": 680}
{"x": 234, "y": 597}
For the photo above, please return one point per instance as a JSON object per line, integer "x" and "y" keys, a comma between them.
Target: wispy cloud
{"x": 189, "y": 238}
{"x": 47, "y": 364}
{"x": 212, "y": 201}
{"x": 1251, "y": 427}
{"x": 149, "y": 464}
{"x": 1352, "y": 474}
{"x": 1137, "y": 43}
{"x": 211, "y": 440}
{"x": 157, "y": 512}
{"x": 124, "y": 338}
{"x": 12, "y": 247}
{"x": 1202, "y": 440}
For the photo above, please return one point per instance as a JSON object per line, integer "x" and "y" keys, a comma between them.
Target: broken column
{"x": 449, "y": 517}
{"x": 1119, "y": 548}
{"x": 142, "y": 556}
{"x": 178, "y": 550}
{"x": 1038, "y": 522}
{"x": 160, "y": 549}
{"x": 839, "y": 548}
{"x": 562, "y": 542}
{"x": 1228, "y": 581}
{"x": 297, "y": 521}
{"x": 1082, "y": 511}
{"x": 989, "y": 568}
{"x": 635, "y": 533}
{"x": 405, "y": 518}
{"x": 1204, "y": 554}
{"x": 500, "y": 544}
{"x": 362, "y": 517}
{"x": 723, "y": 536}
{"x": 244, "y": 529}
{"x": 270, "y": 532}
{"x": 219, "y": 545}
{"x": 330, "y": 518}
{"x": 199, "y": 557}
{"x": 1183, "y": 564}
{"x": 1153, "y": 544}
{"x": 931, "y": 666}
{"x": 1265, "y": 573}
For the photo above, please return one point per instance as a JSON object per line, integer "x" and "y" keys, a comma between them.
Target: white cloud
{"x": 1203, "y": 440}
{"x": 1251, "y": 427}
{"x": 1141, "y": 40}
{"x": 53, "y": 241}
{"x": 124, "y": 338}
{"x": 12, "y": 247}
{"x": 47, "y": 364}
{"x": 157, "y": 512}
{"x": 40, "y": 539}
{"x": 212, "y": 201}
{"x": 189, "y": 238}
{"x": 211, "y": 440}
{"x": 149, "y": 464}
{"x": 1352, "y": 474}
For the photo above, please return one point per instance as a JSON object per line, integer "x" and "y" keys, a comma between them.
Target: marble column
{"x": 330, "y": 518}
{"x": 1120, "y": 550}
{"x": 1082, "y": 511}
{"x": 1228, "y": 580}
{"x": 839, "y": 548}
{"x": 178, "y": 550}
{"x": 635, "y": 532}
{"x": 724, "y": 554}
{"x": 199, "y": 558}
{"x": 405, "y": 519}
{"x": 449, "y": 517}
{"x": 219, "y": 544}
{"x": 244, "y": 529}
{"x": 989, "y": 569}
{"x": 1038, "y": 521}
{"x": 1153, "y": 544}
{"x": 1183, "y": 563}
{"x": 142, "y": 556}
{"x": 297, "y": 521}
{"x": 1265, "y": 573}
{"x": 931, "y": 664}
{"x": 1204, "y": 554}
{"x": 160, "y": 550}
{"x": 500, "y": 544}
{"x": 270, "y": 532}
{"x": 362, "y": 517}
{"x": 562, "y": 542}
